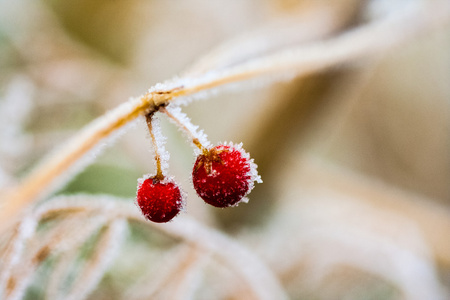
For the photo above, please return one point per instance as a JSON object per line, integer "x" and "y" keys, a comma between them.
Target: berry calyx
{"x": 160, "y": 200}
{"x": 224, "y": 175}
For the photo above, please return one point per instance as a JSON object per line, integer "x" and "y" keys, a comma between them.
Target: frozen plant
{"x": 222, "y": 176}
{"x": 81, "y": 236}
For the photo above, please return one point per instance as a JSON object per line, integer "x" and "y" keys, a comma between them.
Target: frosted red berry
{"x": 224, "y": 175}
{"x": 159, "y": 200}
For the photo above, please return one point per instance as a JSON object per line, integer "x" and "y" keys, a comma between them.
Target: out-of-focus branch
{"x": 433, "y": 219}
{"x": 259, "y": 279}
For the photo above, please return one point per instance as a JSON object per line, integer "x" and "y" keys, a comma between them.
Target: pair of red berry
{"x": 222, "y": 176}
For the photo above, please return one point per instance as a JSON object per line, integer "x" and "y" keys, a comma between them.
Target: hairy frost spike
{"x": 159, "y": 200}
{"x": 224, "y": 175}
{"x": 159, "y": 141}
{"x": 182, "y": 120}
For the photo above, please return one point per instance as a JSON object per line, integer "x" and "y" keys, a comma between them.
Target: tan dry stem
{"x": 159, "y": 173}
{"x": 46, "y": 173}
{"x": 195, "y": 140}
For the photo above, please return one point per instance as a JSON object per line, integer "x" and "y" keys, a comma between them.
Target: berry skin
{"x": 160, "y": 200}
{"x": 224, "y": 175}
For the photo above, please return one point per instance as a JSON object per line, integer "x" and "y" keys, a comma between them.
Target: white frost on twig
{"x": 68, "y": 251}
{"x": 185, "y": 125}
{"x": 15, "y": 250}
{"x": 159, "y": 147}
{"x": 259, "y": 279}
{"x": 107, "y": 249}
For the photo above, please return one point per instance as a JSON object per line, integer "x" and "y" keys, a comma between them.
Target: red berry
{"x": 160, "y": 200}
{"x": 224, "y": 175}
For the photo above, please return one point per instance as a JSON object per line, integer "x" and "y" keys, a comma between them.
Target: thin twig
{"x": 106, "y": 250}
{"x": 259, "y": 279}
{"x": 159, "y": 173}
{"x": 67, "y": 256}
{"x": 195, "y": 140}
{"x": 14, "y": 252}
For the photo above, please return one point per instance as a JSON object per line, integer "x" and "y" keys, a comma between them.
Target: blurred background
{"x": 355, "y": 159}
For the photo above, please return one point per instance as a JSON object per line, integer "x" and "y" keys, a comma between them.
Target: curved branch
{"x": 260, "y": 280}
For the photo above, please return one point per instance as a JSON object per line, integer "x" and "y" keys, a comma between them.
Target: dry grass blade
{"x": 106, "y": 249}
{"x": 191, "y": 276}
{"x": 433, "y": 219}
{"x": 363, "y": 41}
{"x": 67, "y": 257}
{"x": 177, "y": 278}
{"x": 11, "y": 256}
{"x": 312, "y": 23}
{"x": 22, "y": 266}
{"x": 19, "y": 280}
{"x": 257, "y": 277}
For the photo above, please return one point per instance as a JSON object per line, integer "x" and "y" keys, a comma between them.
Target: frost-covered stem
{"x": 68, "y": 253}
{"x": 259, "y": 279}
{"x": 23, "y": 274}
{"x": 40, "y": 182}
{"x": 107, "y": 248}
{"x": 364, "y": 41}
{"x": 179, "y": 276}
{"x": 14, "y": 252}
{"x": 190, "y": 274}
{"x": 192, "y": 135}
{"x": 159, "y": 173}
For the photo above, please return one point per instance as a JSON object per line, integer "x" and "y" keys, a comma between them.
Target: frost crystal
{"x": 159, "y": 200}
{"x": 225, "y": 175}
{"x": 253, "y": 172}
{"x": 189, "y": 127}
{"x": 160, "y": 141}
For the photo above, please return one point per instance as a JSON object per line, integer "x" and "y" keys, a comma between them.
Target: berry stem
{"x": 159, "y": 173}
{"x": 195, "y": 140}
